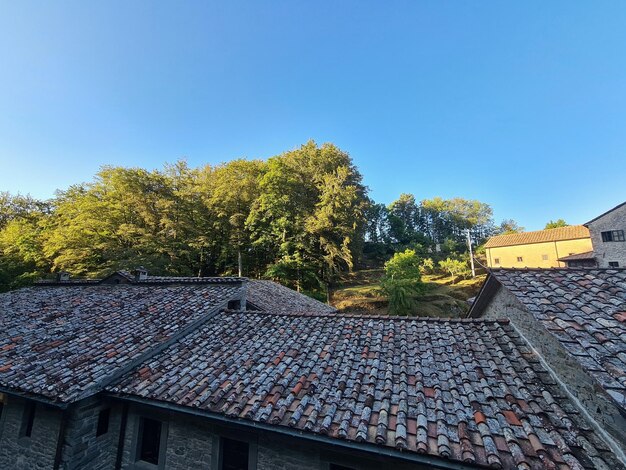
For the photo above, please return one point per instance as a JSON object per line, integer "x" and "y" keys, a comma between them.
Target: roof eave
{"x": 34, "y": 397}
{"x": 424, "y": 459}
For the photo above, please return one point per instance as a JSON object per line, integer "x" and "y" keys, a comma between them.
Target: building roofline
{"x": 490, "y": 286}
{"x": 579, "y": 256}
{"x": 363, "y": 316}
{"x": 523, "y": 236}
{"x": 149, "y": 281}
{"x": 377, "y": 450}
{"x": 536, "y": 243}
{"x": 604, "y": 213}
{"x": 496, "y": 270}
{"x": 34, "y": 396}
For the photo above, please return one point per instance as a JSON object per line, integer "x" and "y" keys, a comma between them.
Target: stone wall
{"x": 569, "y": 371}
{"x": 193, "y": 442}
{"x": 26, "y": 453}
{"x": 82, "y": 447}
{"x": 609, "y": 251}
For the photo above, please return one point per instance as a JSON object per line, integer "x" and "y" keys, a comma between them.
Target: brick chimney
{"x": 141, "y": 273}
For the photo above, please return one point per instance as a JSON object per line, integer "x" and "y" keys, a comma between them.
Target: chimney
{"x": 141, "y": 273}
{"x": 63, "y": 276}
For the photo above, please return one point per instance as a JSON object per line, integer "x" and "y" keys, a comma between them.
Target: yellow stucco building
{"x": 540, "y": 249}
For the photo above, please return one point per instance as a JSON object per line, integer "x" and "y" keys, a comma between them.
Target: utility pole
{"x": 469, "y": 244}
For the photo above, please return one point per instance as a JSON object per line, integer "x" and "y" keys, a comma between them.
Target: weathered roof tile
{"x": 582, "y": 309}
{"x": 458, "y": 390}
{"x": 72, "y": 337}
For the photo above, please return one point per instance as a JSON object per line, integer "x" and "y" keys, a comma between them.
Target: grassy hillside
{"x": 360, "y": 292}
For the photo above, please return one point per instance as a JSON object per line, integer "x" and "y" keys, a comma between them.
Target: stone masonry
{"x": 25, "y": 453}
{"x": 614, "y": 251}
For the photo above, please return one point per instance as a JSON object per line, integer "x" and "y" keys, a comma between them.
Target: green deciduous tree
{"x": 508, "y": 226}
{"x": 556, "y": 224}
{"x": 402, "y": 282}
{"x": 454, "y": 267}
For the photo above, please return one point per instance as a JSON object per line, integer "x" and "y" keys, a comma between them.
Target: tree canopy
{"x": 556, "y": 224}
{"x": 302, "y": 217}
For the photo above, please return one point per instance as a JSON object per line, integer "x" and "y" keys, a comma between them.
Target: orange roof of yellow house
{"x": 571, "y": 232}
{"x": 540, "y": 249}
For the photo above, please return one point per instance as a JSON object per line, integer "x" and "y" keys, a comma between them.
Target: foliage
{"x": 556, "y": 224}
{"x": 405, "y": 265}
{"x": 454, "y": 267}
{"x": 428, "y": 266}
{"x": 401, "y": 294}
{"x": 509, "y": 226}
{"x": 402, "y": 282}
{"x": 22, "y": 221}
{"x": 302, "y": 217}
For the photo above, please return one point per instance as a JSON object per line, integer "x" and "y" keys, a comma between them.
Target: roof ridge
{"x": 368, "y": 317}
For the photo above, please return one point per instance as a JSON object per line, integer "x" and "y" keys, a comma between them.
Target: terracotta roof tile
{"x": 464, "y": 390}
{"x": 61, "y": 341}
{"x": 276, "y": 298}
{"x": 570, "y": 232}
{"x": 584, "y": 310}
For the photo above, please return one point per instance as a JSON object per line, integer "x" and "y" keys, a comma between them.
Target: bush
{"x": 402, "y": 282}
{"x": 405, "y": 265}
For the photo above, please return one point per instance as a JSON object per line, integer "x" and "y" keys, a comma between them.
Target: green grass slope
{"x": 360, "y": 292}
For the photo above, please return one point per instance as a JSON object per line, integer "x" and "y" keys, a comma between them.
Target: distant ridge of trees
{"x": 301, "y": 217}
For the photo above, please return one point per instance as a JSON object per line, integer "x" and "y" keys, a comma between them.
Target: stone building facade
{"x": 68, "y": 440}
{"x": 608, "y": 236}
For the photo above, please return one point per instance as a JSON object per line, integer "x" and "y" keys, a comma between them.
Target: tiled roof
{"x": 570, "y": 232}
{"x": 130, "y": 278}
{"x": 273, "y": 297}
{"x": 60, "y": 342}
{"x": 580, "y": 256}
{"x": 465, "y": 390}
{"x": 585, "y": 309}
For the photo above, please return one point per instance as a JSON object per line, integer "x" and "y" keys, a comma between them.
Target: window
{"x": 3, "y": 400}
{"x": 235, "y": 454}
{"x": 28, "y": 419}
{"x": 149, "y": 442}
{"x": 234, "y": 305}
{"x": 103, "y": 421}
{"x": 496, "y": 260}
{"x": 613, "y": 236}
{"x": 520, "y": 259}
{"x": 544, "y": 257}
{"x": 613, "y": 264}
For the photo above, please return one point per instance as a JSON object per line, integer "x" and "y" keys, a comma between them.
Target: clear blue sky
{"x": 518, "y": 104}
